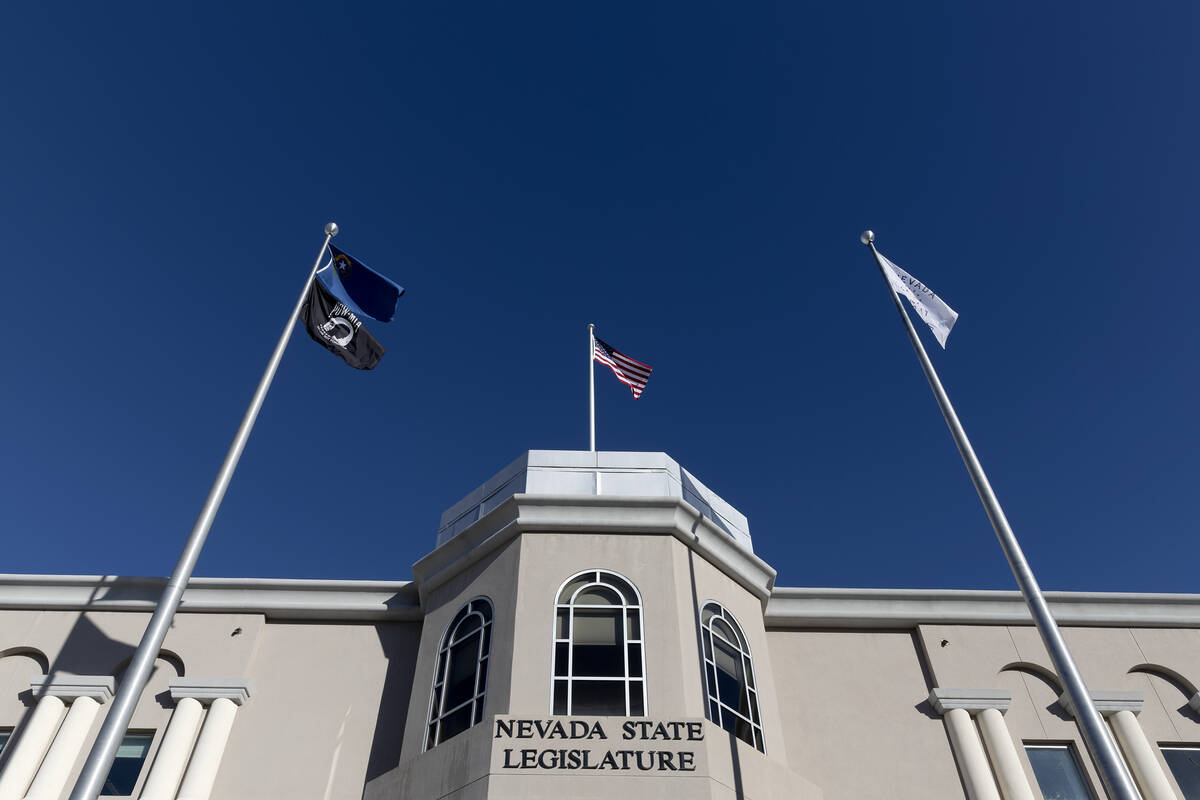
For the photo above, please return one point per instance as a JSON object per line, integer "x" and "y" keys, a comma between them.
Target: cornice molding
{"x": 1107, "y": 702}
{"x": 70, "y": 687}
{"x": 594, "y": 514}
{"x": 883, "y": 609}
{"x": 208, "y": 689}
{"x": 276, "y": 599}
{"x": 973, "y": 700}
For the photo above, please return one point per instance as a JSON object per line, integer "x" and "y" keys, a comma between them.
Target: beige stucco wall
{"x": 316, "y": 719}
{"x": 855, "y": 717}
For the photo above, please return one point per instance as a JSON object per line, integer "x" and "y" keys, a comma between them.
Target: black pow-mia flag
{"x": 339, "y": 329}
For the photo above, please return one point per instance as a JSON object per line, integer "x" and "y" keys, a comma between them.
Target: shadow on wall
{"x": 87, "y": 650}
{"x": 1186, "y": 688}
{"x": 1045, "y": 676}
{"x": 399, "y": 642}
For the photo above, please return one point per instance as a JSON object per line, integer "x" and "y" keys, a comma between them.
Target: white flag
{"x": 937, "y": 315}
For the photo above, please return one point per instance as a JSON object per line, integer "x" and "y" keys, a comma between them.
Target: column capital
{"x": 1107, "y": 702}
{"x": 972, "y": 700}
{"x": 70, "y": 687}
{"x": 208, "y": 689}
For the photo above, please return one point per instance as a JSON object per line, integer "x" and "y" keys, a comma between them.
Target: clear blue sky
{"x": 693, "y": 179}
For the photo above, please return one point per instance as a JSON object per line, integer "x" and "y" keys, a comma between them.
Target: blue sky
{"x": 690, "y": 177}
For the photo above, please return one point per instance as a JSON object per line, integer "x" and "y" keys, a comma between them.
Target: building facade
{"x": 591, "y": 625}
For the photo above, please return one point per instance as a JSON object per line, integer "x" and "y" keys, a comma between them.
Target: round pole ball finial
{"x": 867, "y": 237}
{"x": 331, "y": 229}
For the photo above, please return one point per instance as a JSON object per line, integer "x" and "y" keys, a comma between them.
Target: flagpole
{"x": 591, "y": 388}
{"x": 1113, "y": 773}
{"x": 100, "y": 759}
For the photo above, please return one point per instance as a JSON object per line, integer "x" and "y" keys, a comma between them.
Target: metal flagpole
{"x": 1113, "y": 772}
{"x": 591, "y": 388}
{"x": 99, "y": 761}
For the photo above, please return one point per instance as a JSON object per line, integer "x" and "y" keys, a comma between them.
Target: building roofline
{"x": 907, "y": 608}
{"x": 287, "y": 599}
{"x": 274, "y": 598}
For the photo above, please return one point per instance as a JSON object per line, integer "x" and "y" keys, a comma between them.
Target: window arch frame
{"x": 477, "y": 607}
{"x": 632, "y": 635}
{"x": 715, "y": 709}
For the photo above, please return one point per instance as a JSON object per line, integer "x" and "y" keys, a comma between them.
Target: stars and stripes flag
{"x": 629, "y": 371}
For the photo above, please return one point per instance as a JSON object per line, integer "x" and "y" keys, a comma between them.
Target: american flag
{"x": 629, "y": 371}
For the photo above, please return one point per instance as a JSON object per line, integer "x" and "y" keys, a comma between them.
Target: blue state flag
{"x": 362, "y": 289}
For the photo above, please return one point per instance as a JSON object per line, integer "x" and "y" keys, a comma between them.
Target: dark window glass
{"x": 597, "y": 640}
{"x": 635, "y": 661}
{"x": 455, "y": 723}
{"x": 1057, "y": 772}
{"x": 598, "y": 596}
{"x": 729, "y": 675}
{"x": 598, "y": 698}
{"x": 467, "y": 627}
{"x": 460, "y": 682}
{"x": 560, "y": 697}
{"x": 569, "y": 590}
{"x": 4, "y": 737}
{"x": 637, "y": 705}
{"x": 1185, "y": 766}
{"x": 127, "y": 766}
{"x": 622, "y": 586}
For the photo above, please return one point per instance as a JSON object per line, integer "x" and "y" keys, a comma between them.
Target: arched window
{"x": 599, "y": 665}
{"x": 460, "y": 681}
{"x": 729, "y": 676}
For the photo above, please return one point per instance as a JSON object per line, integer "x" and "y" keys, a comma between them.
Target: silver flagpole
{"x": 99, "y": 761}
{"x": 591, "y": 388}
{"x": 1113, "y": 772}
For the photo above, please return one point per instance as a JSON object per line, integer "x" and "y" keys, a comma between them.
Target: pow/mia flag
{"x": 339, "y": 329}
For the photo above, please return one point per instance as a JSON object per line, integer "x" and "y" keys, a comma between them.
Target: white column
{"x": 174, "y": 751}
{"x": 1014, "y": 784}
{"x": 64, "y": 752}
{"x": 31, "y": 742}
{"x": 1150, "y": 777}
{"x": 956, "y": 706}
{"x": 964, "y": 738}
{"x": 206, "y": 758}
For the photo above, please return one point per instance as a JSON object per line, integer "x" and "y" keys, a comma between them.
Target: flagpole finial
{"x": 867, "y": 237}
{"x": 331, "y": 229}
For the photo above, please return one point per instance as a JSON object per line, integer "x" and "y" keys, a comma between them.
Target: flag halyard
{"x": 629, "y": 371}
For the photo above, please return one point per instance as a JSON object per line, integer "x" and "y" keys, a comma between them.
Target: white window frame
{"x": 749, "y": 685}
{"x": 631, "y": 683}
{"x": 437, "y": 699}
